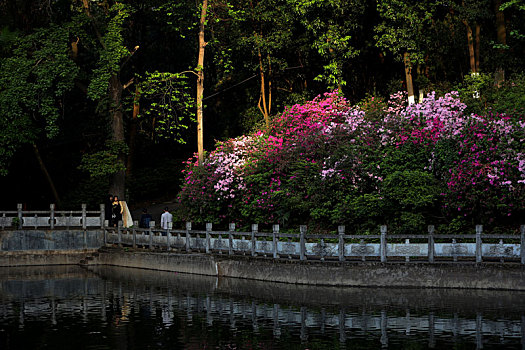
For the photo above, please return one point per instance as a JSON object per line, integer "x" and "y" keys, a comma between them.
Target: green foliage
{"x": 15, "y": 222}
{"x": 520, "y": 6}
{"x": 373, "y": 106}
{"x": 482, "y": 96}
{"x": 168, "y": 103}
{"x": 113, "y": 52}
{"x": 104, "y": 163}
{"x": 411, "y": 190}
{"x": 403, "y": 27}
{"x": 35, "y": 75}
{"x": 510, "y": 98}
{"x": 475, "y": 91}
{"x": 332, "y": 25}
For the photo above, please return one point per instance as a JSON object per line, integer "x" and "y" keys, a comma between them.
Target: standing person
{"x": 108, "y": 209}
{"x": 116, "y": 211}
{"x": 165, "y": 218}
{"x": 145, "y": 219}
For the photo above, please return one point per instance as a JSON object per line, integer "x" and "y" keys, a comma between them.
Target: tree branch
{"x": 130, "y": 55}
{"x": 125, "y": 86}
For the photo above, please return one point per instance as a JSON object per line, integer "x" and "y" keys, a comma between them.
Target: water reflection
{"x": 107, "y": 308}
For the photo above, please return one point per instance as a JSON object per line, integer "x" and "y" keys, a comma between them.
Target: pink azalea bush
{"x": 326, "y": 162}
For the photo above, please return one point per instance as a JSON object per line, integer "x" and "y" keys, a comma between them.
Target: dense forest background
{"x": 100, "y": 96}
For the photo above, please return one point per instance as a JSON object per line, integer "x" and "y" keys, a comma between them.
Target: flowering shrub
{"x": 327, "y": 162}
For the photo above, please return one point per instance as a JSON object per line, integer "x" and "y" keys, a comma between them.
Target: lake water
{"x": 69, "y": 307}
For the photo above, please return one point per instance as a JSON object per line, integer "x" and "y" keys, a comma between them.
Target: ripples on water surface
{"x": 69, "y": 307}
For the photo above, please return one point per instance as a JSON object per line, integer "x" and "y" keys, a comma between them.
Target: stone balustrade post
{"x": 20, "y": 218}
{"x": 51, "y": 216}
{"x": 151, "y": 227}
{"x": 119, "y": 232}
{"x": 383, "y": 244}
{"x": 102, "y": 215}
{"x": 275, "y": 238}
{"x": 431, "y": 247}
{"x": 522, "y": 245}
{"x": 231, "y": 230}
{"x": 341, "y": 250}
{"x": 188, "y": 229}
{"x": 168, "y": 234}
{"x": 209, "y": 227}
{"x": 84, "y": 215}
{"x": 302, "y": 243}
{"x": 134, "y": 232}
{"x": 479, "y": 231}
{"x": 255, "y": 230}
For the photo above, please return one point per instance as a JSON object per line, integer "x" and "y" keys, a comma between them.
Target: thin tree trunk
{"x": 118, "y": 184}
{"x": 420, "y": 89}
{"x": 133, "y": 131}
{"x": 74, "y": 48}
{"x": 408, "y": 76}
{"x": 262, "y": 97}
{"x": 470, "y": 42}
{"x": 501, "y": 35}
{"x": 200, "y": 82}
{"x": 476, "y": 47}
{"x": 46, "y": 175}
{"x": 269, "y": 86}
{"x": 332, "y": 54}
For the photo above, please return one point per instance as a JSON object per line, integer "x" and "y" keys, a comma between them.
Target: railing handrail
{"x": 306, "y": 246}
{"x": 52, "y": 218}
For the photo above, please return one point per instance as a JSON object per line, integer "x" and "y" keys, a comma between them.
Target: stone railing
{"x": 52, "y": 218}
{"x": 383, "y": 247}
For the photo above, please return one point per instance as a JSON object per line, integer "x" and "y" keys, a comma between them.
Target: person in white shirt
{"x": 165, "y": 218}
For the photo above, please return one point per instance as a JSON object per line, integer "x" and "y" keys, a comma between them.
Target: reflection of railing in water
{"x": 340, "y": 246}
{"x": 92, "y": 296}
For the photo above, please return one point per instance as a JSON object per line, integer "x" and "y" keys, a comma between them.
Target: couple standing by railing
{"x": 117, "y": 210}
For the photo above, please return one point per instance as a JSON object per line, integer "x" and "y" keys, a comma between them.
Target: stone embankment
{"x": 70, "y": 247}
{"x": 326, "y": 273}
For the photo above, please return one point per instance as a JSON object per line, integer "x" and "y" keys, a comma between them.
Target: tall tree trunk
{"x": 118, "y": 183}
{"x": 262, "y": 96}
{"x": 408, "y": 76}
{"x": 200, "y": 82}
{"x": 471, "y": 51}
{"x": 476, "y": 47}
{"x": 46, "y": 175}
{"x": 501, "y": 35}
{"x": 420, "y": 89}
{"x": 133, "y": 130}
{"x": 269, "y": 86}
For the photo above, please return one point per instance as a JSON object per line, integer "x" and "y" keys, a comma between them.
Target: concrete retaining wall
{"x": 458, "y": 275}
{"x": 422, "y": 275}
{"x": 39, "y": 257}
{"x": 24, "y": 240}
{"x": 199, "y": 264}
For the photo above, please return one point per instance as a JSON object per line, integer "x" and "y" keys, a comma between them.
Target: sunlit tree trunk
{"x": 408, "y": 76}
{"x": 200, "y": 82}
{"x": 262, "y": 97}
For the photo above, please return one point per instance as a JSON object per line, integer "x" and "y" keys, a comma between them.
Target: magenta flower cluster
{"x": 326, "y": 149}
